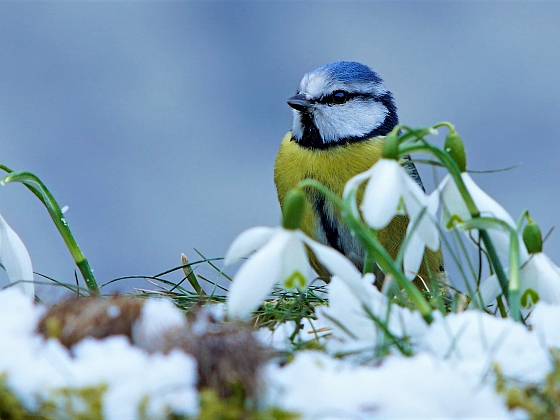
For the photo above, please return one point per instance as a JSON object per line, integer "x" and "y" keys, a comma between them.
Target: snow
{"x": 158, "y": 316}
{"x": 132, "y": 374}
{"x": 37, "y": 368}
{"x": 473, "y": 341}
{"x": 449, "y": 375}
{"x": 353, "y": 330}
{"x": 321, "y": 387}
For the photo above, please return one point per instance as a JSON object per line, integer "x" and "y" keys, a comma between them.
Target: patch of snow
{"x": 158, "y": 316}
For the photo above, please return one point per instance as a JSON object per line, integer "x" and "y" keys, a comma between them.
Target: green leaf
{"x": 42, "y": 192}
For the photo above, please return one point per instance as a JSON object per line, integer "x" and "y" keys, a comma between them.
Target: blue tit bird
{"x": 342, "y": 112}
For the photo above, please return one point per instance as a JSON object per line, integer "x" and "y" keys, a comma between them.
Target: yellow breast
{"x": 333, "y": 167}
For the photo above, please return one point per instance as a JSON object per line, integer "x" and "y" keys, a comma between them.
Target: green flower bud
{"x": 293, "y": 209}
{"x": 391, "y": 146}
{"x": 532, "y": 237}
{"x": 454, "y": 146}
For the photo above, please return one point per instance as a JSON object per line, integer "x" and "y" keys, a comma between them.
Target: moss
{"x": 10, "y": 406}
{"x": 540, "y": 401}
{"x": 75, "y": 403}
{"x": 214, "y": 408}
{"x": 66, "y": 403}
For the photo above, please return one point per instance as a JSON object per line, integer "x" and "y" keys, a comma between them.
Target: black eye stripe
{"x": 332, "y": 100}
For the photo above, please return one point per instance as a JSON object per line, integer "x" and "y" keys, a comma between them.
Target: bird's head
{"x": 340, "y": 103}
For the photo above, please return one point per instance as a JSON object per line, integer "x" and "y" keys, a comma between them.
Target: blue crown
{"x": 347, "y": 71}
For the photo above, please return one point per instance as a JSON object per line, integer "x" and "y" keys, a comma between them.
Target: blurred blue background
{"x": 158, "y": 123}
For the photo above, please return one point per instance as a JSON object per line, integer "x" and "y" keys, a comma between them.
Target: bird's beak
{"x": 299, "y": 103}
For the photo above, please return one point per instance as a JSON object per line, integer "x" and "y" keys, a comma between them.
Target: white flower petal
{"x": 341, "y": 267}
{"x": 428, "y": 232}
{"x": 543, "y": 276}
{"x": 539, "y": 274}
{"x": 490, "y": 289}
{"x": 346, "y": 314}
{"x": 414, "y": 198}
{"x": 15, "y": 258}
{"x": 452, "y": 201}
{"x": 422, "y": 231}
{"x": 354, "y": 182}
{"x": 351, "y": 187}
{"x": 255, "y": 278}
{"x": 430, "y": 235}
{"x": 383, "y": 193}
{"x": 334, "y": 261}
{"x": 453, "y": 204}
{"x": 247, "y": 242}
{"x": 295, "y": 270}
{"x": 486, "y": 205}
{"x": 423, "y": 224}
{"x": 413, "y": 256}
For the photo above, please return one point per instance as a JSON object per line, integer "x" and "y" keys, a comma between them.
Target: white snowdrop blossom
{"x": 539, "y": 274}
{"x": 422, "y": 232}
{"x": 15, "y": 258}
{"x": 280, "y": 257}
{"x": 390, "y": 191}
{"x": 454, "y": 206}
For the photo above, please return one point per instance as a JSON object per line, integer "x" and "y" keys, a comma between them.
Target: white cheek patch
{"x": 355, "y": 118}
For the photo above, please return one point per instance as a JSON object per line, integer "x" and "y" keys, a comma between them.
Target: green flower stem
{"x": 40, "y": 190}
{"x": 514, "y": 287}
{"x": 402, "y": 345}
{"x": 450, "y": 126}
{"x": 369, "y": 262}
{"x": 454, "y": 171}
{"x": 495, "y": 259}
{"x": 368, "y": 238}
{"x": 513, "y": 293}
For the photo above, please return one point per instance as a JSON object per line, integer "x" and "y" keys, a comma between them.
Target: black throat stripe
{"x": 327, "y": 224}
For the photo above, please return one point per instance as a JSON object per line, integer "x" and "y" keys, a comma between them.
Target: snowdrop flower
{"x": 538, "y": 275}
{"x": 15, "y": 258}
{"x": 422, "y": 232}
{"x": 455, "y": 207}
{"x": 280, "y": 257}
{"x": 390, "y": 191}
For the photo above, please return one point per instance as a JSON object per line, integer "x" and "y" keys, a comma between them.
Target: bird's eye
{"x": 339, "y": 97}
